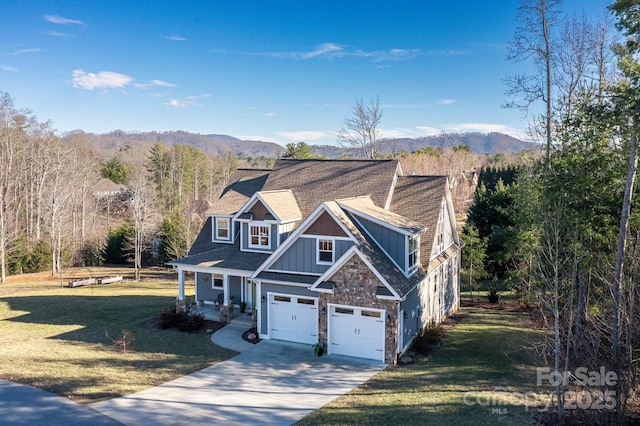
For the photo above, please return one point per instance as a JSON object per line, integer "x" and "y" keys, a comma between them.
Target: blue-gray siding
{"x": 276, "y": 288}
{"x": 273, "y": 239}
{"x": 411, "y": 324}
{"x": 301, "y": 256}
{"x": 392, "y": 242}
{"x": 206, "y": 292}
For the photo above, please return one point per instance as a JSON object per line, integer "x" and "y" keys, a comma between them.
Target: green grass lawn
{"x": 59, "y": 338}
{"x": 480, "y": 375}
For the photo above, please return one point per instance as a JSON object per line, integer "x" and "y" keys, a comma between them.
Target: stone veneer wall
{"x": 356, "y": 285}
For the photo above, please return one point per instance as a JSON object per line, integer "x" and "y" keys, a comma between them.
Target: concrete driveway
{"x": 26, "y": 405}
{"x": 269, "y": 383}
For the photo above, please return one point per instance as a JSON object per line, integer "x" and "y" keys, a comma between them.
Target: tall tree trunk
{"x": 620, "y": 254}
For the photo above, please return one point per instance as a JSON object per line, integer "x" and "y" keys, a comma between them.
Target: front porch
{"x": 212, "y": 312}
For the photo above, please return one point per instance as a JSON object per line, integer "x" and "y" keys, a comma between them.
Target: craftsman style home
{"x": 350, "y": 254}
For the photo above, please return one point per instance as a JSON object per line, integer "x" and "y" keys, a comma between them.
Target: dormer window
{"x": 413, "y": 253}
{"x": 325, "y": 251}
{"x": 222, "y": 228}
{"x": 259, "y": 236}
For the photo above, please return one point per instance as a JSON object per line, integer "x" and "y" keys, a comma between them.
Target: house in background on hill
{"x": 350, "y": 254}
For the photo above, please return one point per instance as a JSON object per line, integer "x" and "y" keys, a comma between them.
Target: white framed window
{"x": 259, "y": 236}
{"x": 218, "y": 281}
{"x": 413, "y": 252}
{"x": 325, "y": 251}
{"x": 222, "y": 228}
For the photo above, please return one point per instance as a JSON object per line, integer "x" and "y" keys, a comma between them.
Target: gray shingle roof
{"x": 419, "y": 198}
{"x": 364, "y": 207}
{"x": 370, "y": 250}
{"x": 283, "y": 203}
{"x": 316, "y": 181}
{"x": 204, "y": 252}
{"x": 242, "y": 185}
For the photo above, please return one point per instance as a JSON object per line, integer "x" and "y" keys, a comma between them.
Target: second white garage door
{"x": 356, "y": 332}
{"x": 293, "y": 318}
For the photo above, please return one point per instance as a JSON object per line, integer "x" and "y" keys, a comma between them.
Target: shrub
{"x": 171, "y": 319}
{"x": 191, "y": 322}
{"x": 182, "y": 321}
{"x": 494, "y": 295}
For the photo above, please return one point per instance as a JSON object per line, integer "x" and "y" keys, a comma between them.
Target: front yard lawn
{"x": 482, "y": 374}
{"x": 61, "y": 339}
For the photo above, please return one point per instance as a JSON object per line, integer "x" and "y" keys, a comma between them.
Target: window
{"x": 218, "y": 281}
{"x": 222, "y": 228}
{"x": 325, "y": 251}
{"x": 259, "y": 236}
{"x": 414, "y": 252}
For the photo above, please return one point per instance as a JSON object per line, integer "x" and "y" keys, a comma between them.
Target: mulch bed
{"x": 209, "y": 326}
{"x": 251, "y": 336}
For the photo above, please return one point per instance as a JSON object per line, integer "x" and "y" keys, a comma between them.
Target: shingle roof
{"x": 369, "y": 249}
{"x": 206, "y": 253}
{"x": 242, "y": 185}
{"x": 419, "y": 198}
{"x": 316, "y": 181}
{"x": 363, "y": 206}
{"x": 283, "y": 204}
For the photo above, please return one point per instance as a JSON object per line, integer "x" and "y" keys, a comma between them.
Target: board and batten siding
{"x": 392, "y": 242}
{"x": 302, "y": 256}
{"x": 412, "y": 323}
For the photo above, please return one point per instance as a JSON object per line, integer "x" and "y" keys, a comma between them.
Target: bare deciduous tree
{"x": 360, "y": 130}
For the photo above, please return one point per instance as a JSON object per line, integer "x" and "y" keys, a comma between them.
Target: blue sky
{"x": 280, "y": 71}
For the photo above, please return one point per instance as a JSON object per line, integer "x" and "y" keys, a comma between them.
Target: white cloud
{"x": 447, "y": 101}
{"x": 428, "y": 131}
{"x": 176, "y": 38}
{"x": 162, "y": 83}
{"x": 101, "y": 80}
{"x": 397, "y": 133}
{"x": 309, "y": 135}
{"x": 269, "y": 114}
{"x": 8, "y": 68}
{"x": 325, "y": 49}
{"x": 154, "y": 83}
{"x": 23, "y": 51}
{"x": 57, "y": 19}
{"x": 188, "y": 101}
{"x": 180, "y": 103}
{"x": 479, "y": 127}
{"x": 57, "y": 34}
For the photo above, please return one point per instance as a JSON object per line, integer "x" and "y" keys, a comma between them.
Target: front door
{"x": 249, "y": 292}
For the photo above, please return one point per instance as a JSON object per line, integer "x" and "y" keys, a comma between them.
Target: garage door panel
{"x": 293, "y": 318}
{"x": 357, "y": 332}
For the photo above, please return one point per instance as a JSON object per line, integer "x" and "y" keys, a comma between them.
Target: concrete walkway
{"x": 270, "y": 383}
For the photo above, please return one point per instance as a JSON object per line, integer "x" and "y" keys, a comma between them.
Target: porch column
{"x": 225, "y": 287}
{"x": 180, "y": 284}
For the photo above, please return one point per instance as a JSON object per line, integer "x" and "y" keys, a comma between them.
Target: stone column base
{"x": 182, "y": 306}
{"x": 226, "y": 314}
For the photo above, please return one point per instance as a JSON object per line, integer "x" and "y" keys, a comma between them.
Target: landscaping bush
{"x": 493, "y": 295}
{"x": 171, "y": 319}
{"x": 182, "y": 321}
{"x": 191, "y": 322}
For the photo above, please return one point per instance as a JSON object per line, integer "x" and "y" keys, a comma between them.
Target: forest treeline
{"x": 53, "y": 213}
{"x": 563, "y": 230}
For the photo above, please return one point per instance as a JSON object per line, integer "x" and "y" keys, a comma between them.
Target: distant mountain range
{"x": 479, "y": 143}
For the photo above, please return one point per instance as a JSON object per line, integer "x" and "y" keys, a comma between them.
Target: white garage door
{"x": 356, "y": 332}
{"x": 293, "y": 318}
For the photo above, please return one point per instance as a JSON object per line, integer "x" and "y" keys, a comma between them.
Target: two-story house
{"x": 348, "y": 253}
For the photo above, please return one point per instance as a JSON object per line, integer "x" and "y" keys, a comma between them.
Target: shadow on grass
{"x": 101, "y": 319}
